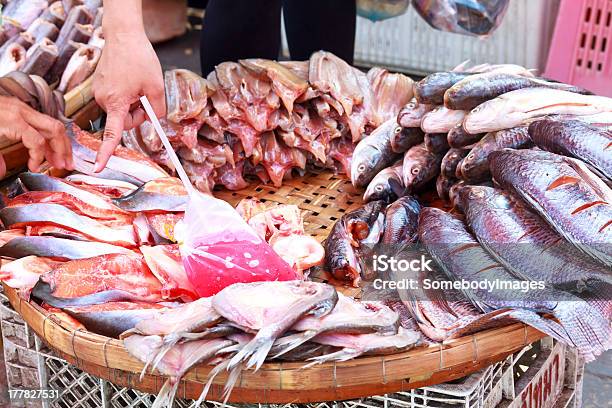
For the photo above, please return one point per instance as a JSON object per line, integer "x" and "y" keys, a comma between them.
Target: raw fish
{"x": 573, "y": 200}
{"x": 461, "y": 257}
{"x": 113, "y": 318}
{"x": 103, "y": 279}
{"x": 269, "y": 309}
{"x": 162, "y": 194}
{"x": 57, "y": 248}
{"x": 373, "y": 154}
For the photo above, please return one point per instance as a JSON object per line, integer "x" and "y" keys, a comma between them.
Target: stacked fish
{"x": 99, "y": 253}
{"x": 546, "y": 146}
{"x": 456, "y": 119}
{"x": 265, "y": 118}
{"x": 245, "y": 324}
{"x": 60, "y": 41}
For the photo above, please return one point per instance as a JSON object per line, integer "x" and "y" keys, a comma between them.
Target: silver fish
{"x": 386, "y": 185}
{"x": 574, "y": 201}
{"x": 513, "y": 108}
{"x": 373, "y": 153}
{"x": 419, "y": 167}
{"x": 461, "y": 257}
{"x": 576, "y": 139}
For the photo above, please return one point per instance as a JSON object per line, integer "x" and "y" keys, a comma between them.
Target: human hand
{"x": 43, "y": 136}
{"x": 128, "y": 69}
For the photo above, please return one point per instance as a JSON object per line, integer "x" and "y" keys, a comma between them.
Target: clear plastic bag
{"x": 378, "y": 10}
{"x": 219, "y": 248}
{"x": 468, "y": 17}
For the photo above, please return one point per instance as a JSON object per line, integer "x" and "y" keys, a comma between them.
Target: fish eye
{"x": 415, "y": 170}
{"x": 397, "y": 130}
{"x": 361, "y": 167}
{"x": 476, "y": 109}
{"x": 378, "y": 188}
{"x": 471, "y": 156}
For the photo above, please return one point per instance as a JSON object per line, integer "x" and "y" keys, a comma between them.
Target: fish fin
{"x": 295, "y": 341}
{"x": 257, "y": 350}
{"x": 588, "y": 329}
{"x": 232, "y": 379}
{"x": 592, "y": 176}
{"x": 397, "y": 187}
{"x": 340, "y": 355}
{"x": 584, "y": 248}
{"x": 161, "y": 353}
{"x": 546, "y": 326}
{"x": 211, "y": 377}
{"x": 166, "y": 394}
{"x": 462, "y": 66}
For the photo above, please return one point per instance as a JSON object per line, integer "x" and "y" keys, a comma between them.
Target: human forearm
{"x": 122, "y": 17}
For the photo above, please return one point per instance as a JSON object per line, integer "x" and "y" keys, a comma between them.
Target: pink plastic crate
{"x": 580, "y": 52}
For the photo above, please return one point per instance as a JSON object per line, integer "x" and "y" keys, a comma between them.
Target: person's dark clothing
{"x": 236, "y": 29}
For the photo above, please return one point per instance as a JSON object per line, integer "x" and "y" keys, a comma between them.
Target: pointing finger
{"x": 112, "y": 136}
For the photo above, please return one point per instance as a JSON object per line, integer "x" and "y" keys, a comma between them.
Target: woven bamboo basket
{"x": 323, "y": 198}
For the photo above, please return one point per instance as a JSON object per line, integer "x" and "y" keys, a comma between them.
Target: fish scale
{"x": 574, "y": 201}
{"x": 460, "y": 256}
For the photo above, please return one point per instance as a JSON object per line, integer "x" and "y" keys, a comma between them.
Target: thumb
{"x": 112, "y": 136}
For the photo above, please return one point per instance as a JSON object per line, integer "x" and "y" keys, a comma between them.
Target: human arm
{"x": 128, "y": 69}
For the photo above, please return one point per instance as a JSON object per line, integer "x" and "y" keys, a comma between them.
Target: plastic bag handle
{"x": 162, "y": 135}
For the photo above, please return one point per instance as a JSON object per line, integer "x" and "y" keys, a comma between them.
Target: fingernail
{"x": 97, "y": 167}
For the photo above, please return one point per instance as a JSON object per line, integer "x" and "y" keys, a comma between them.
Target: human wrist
{"x": 122, "y": 19}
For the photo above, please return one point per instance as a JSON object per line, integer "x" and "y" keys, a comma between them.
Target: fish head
{"x": 491, "y": 115}
{"x": 367, "y": 156}
{"x": 477, "y": 195}
{"x": 419, "y": 168}
{"x": 385, "y": 186}
{"x": 454, "y": 196}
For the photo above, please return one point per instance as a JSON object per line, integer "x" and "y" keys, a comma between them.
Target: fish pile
{"x": 53, "y": 42}
{"x": 101, "y": 255}
{"x": 526, "y": 164}
{"x": 246, "y": 324}
{"x": 457, "y": 119}
{"x": 128, "y": 216}
{"x": 267, "y": 119}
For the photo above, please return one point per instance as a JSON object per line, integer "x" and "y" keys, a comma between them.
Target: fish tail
{"x": 161, "y": 354}
{"x": 258, "y": 357}
{"x": 257, "y": 350}
{"x": 295, "y": 341}
{"x": 340, "y": 355}
{"x": 232, "y": 379}
{"x": 211, "y": 376}
{"x": 546, "y": 326}
{"x": 165, "y": 397}
{"x": 589, "y": 330}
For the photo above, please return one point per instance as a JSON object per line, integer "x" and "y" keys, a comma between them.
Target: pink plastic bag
{"x": 219, "y": 248}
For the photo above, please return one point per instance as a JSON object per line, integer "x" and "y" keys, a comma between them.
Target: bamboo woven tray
{"x": 323, "y": 197}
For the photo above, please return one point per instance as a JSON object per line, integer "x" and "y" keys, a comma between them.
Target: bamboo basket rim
{"x": 322, "y": 198}
{"x": 279, "y": 382}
